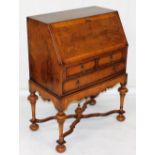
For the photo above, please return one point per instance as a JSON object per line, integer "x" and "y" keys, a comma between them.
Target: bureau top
{"x": 70, "y": 14}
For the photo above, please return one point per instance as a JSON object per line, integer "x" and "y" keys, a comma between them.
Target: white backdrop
{"x": 127, "y": 13}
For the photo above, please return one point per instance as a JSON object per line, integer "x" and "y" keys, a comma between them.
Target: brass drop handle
{"x": 78, "y": 83}
{"x": 82, "y": 67}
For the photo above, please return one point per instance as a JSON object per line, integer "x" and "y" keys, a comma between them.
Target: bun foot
{"x": 61, "y": 148}
{"x": 120, "y": 117}
{"x": 93, "y": 102}
{"x": 34, "y": 127}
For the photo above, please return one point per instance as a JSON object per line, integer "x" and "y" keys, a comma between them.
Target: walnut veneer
{"x": 73, "y": 55}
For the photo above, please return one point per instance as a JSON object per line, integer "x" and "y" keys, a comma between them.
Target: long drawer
{"x": 88, "y": 79}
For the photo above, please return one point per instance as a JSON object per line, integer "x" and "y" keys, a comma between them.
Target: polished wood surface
{"x": 74, "y": 55}
{"x": 96, "y": 35}
{"x": 70, "y": 14}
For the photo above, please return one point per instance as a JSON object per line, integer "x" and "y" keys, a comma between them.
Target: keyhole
{"x": 78, "y": 83}
{"x": 111, "y": 58}
{"x": 114, "y": 69}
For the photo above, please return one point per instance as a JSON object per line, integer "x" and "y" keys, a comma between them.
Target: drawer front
{"x": 112, "y": 57}
{"x": 93, "y": 77}
{"x": 81, "y": 68}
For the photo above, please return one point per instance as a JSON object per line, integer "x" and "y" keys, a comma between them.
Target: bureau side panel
{"x": 43, "y": 65}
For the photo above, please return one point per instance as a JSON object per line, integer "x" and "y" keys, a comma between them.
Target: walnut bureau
{"x": 75, "y": 55}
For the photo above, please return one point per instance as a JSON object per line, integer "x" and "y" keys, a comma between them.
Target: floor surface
{"x": 93, "y": 136}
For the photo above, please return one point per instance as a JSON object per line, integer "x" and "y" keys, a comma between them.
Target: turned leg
{"x": 61, "y": 116}
{"x": 122, "y": 90}
{"x": 33, "y": 98}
